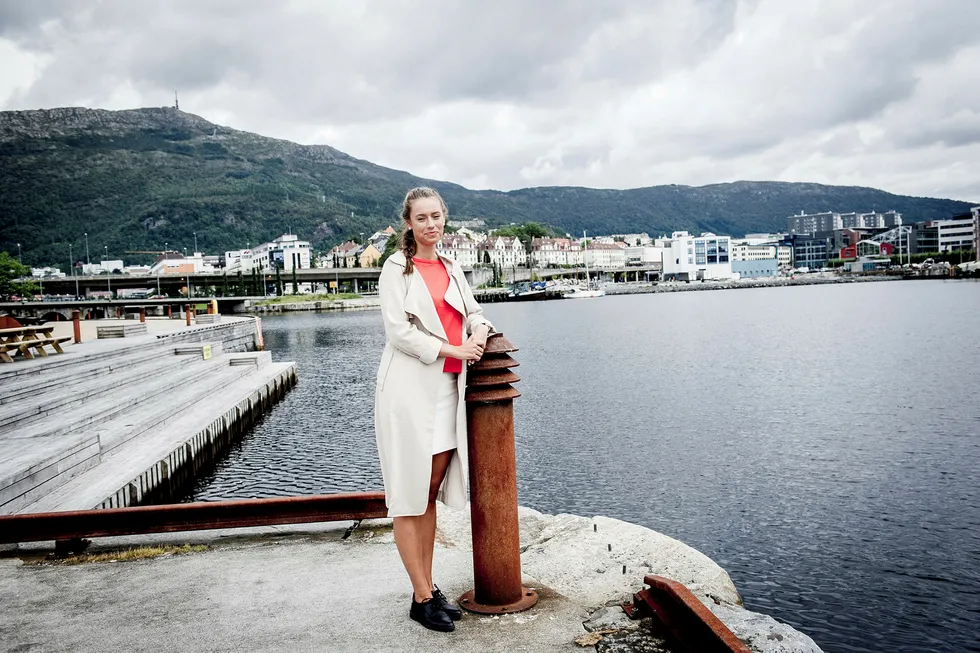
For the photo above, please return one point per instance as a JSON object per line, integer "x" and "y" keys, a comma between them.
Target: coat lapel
{"x": 453, "y": 295}
{"x": 419, "y": 303}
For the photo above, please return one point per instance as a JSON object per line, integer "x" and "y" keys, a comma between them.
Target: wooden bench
{"x": 29, "y": 341}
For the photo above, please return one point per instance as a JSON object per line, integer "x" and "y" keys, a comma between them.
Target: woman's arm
{"x": 401, "y": 333}
{"x": 476, "y": 322}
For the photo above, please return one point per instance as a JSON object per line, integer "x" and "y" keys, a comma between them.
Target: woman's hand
{"x": 471, "y": 350}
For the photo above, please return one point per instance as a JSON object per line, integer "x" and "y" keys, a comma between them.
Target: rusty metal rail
{"x": 691, "y": 625}
{"x": 74, "y": 525}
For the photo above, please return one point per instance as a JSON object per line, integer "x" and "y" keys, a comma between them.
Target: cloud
{"x": 508, "y": 94}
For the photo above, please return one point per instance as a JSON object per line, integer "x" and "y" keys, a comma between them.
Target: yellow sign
{"x": 333, "y": 284}
{"x": 206, "y": 352}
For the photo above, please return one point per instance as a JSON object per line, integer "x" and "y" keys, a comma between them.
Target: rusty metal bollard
{"x": 187, "y": 314}
{"x": 142, "y": 313}
{"x": 493, "y": 484}
{"x": 170, "y": 310}
{"x": 76, "y": 316}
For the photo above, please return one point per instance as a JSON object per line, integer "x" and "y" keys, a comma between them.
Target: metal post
{"x": 142, "y": 313}
{"x": 76, "y": 317}
{"x": 493, "y": 485}
{"x": 187, "y": 314}
{"x": 170, "y": 310}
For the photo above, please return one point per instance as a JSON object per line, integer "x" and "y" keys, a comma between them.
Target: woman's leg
{"x": 408, "y": 539}
{"x": 415, "y": 535}
{"x": 440, "y": 463}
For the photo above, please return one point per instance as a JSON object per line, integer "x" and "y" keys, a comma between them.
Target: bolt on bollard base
{"x": 493, "y": 485}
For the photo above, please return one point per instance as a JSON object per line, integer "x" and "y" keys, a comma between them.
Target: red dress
{"x": 436, "y": 278}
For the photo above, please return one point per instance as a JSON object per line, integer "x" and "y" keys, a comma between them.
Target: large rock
{"x": 583, "y": 559}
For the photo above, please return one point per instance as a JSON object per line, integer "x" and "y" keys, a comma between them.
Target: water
{"x": 821, "y": 443}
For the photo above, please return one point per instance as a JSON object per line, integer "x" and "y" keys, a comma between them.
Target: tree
{"x": 295, "y": 283}
{"x": 10, "y": 271}
{"x": 391, "y": 246}
{"x": 279, "y": 289}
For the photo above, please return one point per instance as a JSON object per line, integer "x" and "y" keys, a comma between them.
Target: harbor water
{"x": 821, "y": 443}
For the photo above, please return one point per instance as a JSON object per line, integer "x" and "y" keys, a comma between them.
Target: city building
{"x": 343, "y": 255}
{"x": 644, "y": 255}
{"x": 287, "y": 252}
{"x": 811, "y": 223}
{"x": 47, "y": 272}
{"x": 605, "y": 255}
{"x": 172, "y": 263}
{"x": 959, "y": 233}
{"x": 827, "y": 221}
{"x": 755, "y": 268}
{"x": 745, "y": 250}
{"x": 505, "y": 251}
{"x": 240, "y": 260}
{"x": 369, "y": 256}
{"x": 555, "y": 252}
{"x": 810, "y": 252}
{"x": 689, "y": 258}
{"x": 459, "y": 248}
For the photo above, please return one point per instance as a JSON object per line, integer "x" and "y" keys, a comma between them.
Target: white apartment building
{"x": 44, "y": 273}
{"x": 286, "y": 252}
{"x": 459, "y": 248}
{"x": 240, "y": 260}
{"x": 742, "y": 250}
{"x": 954, "y": 234}
{"x": 547, "y": 252}
{"x": 698, "y": 257}
{"x": 505, "y": 251}
{"x": 605, "y": 255}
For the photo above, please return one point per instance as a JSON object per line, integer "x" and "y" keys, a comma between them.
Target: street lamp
{"x": 87, "y": 260}
{"x": 20, "y": 259}
{"x": 108, "y": 273}
{"x": 195, "y": 242}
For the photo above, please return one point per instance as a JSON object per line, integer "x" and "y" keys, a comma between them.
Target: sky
{"x": 517, "y": 93}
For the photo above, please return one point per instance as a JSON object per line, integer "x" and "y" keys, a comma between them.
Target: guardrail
{"x": 79, "y": 524}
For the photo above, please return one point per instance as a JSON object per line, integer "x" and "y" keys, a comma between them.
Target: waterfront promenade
{"x": 118, "y": 421}
{"x": 307, "y": 588}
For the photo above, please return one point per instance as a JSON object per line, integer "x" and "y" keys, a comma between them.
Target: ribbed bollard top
{"x": 489, "y": 379}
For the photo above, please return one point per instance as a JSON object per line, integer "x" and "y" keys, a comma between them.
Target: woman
{"x": 433, "y": 328}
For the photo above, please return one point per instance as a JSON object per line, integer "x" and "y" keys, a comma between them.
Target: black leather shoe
{"x": 454, "y": 612}
{"x": 429, "y": 614}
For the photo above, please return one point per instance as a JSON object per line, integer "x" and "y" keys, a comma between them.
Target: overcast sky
{"x": 516, "y": 93}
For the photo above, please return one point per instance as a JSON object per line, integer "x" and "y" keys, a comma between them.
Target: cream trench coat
{"x": 409, "y": 373}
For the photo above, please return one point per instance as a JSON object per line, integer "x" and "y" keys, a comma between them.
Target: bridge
{"x": 343, "y": 279}
{"x": 96, "y": 309}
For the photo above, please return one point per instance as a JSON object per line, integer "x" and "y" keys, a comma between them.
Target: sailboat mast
{"x": 585, "y": 258}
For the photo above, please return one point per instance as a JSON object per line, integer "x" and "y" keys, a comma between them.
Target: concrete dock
{"x": 118, "y": 421}
{"x": 308, "y": 588}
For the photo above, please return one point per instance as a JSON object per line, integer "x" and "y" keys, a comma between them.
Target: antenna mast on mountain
{"x": 176, "y": 103}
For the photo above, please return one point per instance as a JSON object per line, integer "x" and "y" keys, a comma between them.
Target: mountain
{"x": 147, "y": 178}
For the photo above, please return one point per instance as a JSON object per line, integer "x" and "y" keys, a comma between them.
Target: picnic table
{"x": 29, "y": 341}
